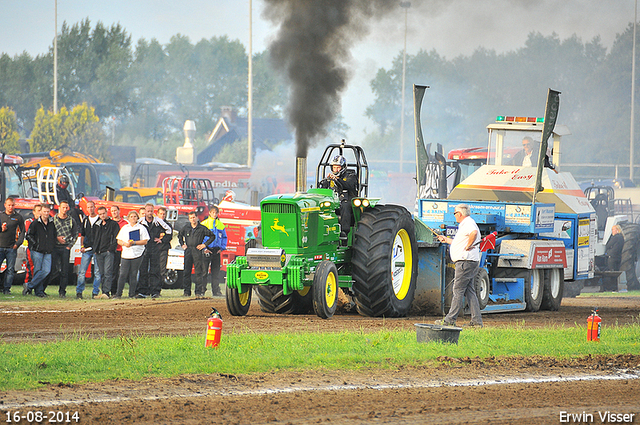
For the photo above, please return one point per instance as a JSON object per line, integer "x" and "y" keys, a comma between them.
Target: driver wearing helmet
{"x": 62, "y": 191}
{"x": 345, "y": 183}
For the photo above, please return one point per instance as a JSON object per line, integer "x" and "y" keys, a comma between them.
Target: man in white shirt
{"x": 466, "y": 256}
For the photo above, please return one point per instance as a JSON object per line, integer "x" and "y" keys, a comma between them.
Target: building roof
{"x": 233, "y": 129}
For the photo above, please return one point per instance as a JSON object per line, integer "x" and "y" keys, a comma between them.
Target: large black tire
{"x": 553, "y": 289}
{"x": 272, "y": 300}
{"x": 483, "y": 287}
{"x": 325, "y": 289}
{"x": 173, "y": 280}
{"x": 631, "y": 233}
{"x": 533, "y": 285}
{"x": 238, "y": 304}
{"x": 384, "y": 262}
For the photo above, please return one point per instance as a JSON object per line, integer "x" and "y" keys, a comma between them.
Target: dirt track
{"x": 407, "y": 395}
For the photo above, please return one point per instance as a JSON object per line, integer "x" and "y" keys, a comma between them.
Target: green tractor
{"x": 307, "y": 257}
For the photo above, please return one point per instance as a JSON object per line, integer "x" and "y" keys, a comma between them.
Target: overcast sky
{"x": 451, "y": 27}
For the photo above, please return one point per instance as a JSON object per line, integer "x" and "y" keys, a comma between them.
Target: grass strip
{"x": 80, "y": 359}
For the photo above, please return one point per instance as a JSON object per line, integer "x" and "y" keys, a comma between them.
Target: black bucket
{"x": 429, "y": 333}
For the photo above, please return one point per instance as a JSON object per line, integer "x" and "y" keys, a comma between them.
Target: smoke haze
{"x": 312, "y": 50}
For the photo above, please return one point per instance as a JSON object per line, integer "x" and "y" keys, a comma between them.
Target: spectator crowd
{"x": 132, "y": 250}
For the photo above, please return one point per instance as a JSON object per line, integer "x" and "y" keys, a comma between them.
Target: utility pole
{"x": 633, "y": 92}
{"x": 250, "y": 94}
{"x": 55, "y": 59}
{"x": 405, "y": 5}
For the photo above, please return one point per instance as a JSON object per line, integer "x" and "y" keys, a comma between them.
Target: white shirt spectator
{"x": 461, "y": 239}
{"x": 133, "y": 251}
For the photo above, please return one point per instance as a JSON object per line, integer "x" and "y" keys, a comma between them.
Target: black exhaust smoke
{"x": 312, "y": 50}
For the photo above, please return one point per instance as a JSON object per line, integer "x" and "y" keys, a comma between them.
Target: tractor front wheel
{"x": 238, "y": 304}
{"x": 271, "y": 299}
{"x": 325, "y": 289}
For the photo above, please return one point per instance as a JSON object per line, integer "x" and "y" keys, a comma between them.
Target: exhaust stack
{"x": 301, "y": 174}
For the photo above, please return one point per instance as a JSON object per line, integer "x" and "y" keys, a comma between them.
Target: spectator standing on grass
{"x": 115, "y": 216}
{"x": 132, "y": 238}
{"x": 165, "y": 244}
{"x": 466, "y": 256}
{"x": 149, "y": 284}
{"x": 42, "y": 238}
{"x": 36, "y": 215}
{"x": 11, "y": 237}
{"x": 67, "y": 230}
{"x": 215, "y": 247}
{"x": 105, "y": 244}
{"x": 86, "y": 241}
{"x": 191, "y": 239}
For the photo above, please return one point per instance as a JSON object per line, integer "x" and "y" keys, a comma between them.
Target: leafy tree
{"x": 9, "y": 131}
{"x": 78, "y": 130}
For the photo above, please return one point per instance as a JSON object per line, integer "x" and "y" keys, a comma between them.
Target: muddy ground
{"x": 517, "y": 390}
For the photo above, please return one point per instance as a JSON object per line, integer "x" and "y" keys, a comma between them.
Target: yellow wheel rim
{"x": 401, "y": 264}
{"x": 243, "y": 298}
{"x": 331, "y": 290}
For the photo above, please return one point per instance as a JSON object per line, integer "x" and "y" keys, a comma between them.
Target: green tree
{"x": 9, "y": 131}
{"x": 78, "y": 130}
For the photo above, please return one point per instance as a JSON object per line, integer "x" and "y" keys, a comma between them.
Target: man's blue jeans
{"x": 85, "y": 262}
{"x": 10, "y": 254}
{"x": 41, "y": 269}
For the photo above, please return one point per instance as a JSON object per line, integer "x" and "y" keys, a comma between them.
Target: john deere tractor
{"x": 307, "y": 258}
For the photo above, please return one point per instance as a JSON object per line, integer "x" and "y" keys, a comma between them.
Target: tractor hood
{"x": 506, "y": 183}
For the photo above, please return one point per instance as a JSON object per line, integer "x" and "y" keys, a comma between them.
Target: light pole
{"x": 405, "y": 5}
{"x": 633, "y": 92}
{"x": 250, "y": 93}
{"x": 55, "y": 58}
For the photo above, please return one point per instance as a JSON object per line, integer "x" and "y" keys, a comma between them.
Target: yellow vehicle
{"x": 144, "y": 194}
{"x": 90, "y": 176}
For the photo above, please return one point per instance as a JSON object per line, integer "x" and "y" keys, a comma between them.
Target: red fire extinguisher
{"x": 214, "y": 329}
{"x": 593, "y": 326}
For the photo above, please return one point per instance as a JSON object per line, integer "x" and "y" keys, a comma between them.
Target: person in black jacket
{"x": 86, "y": 241}
{"x": 11, "y": 237}
{"x": 345, "y": 183}
{"x": 150, "y": 283}
{"x": 613, "y": 251}
{"x": 42, "y": 237}
{"x": 191, "y": 239}
{"x": 165, "y": 244}
{"x": 104, "y": 246}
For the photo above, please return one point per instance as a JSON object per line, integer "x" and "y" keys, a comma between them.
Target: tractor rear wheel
{"x": 325, "y": 289}
{"x": 384, "y": 262}
{"x": 272, "y": 300}
{"x": 238, "y": 304}
{"x": 553, "y": 289}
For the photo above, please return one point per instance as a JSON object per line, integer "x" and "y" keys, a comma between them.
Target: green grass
{"x": 610, "y": 294}
{"x": 80, "y": 359}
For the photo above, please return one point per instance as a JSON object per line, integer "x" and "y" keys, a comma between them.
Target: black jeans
{"x": 194, "y": 259}
{"x": 61, "y": 267}
{"x": 129, "y": 274}
{"x": 149, "y": 282}
{"x": 104, "y": 262}
{"x": 116, "y": 272}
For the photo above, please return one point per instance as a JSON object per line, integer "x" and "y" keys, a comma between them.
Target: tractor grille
{"x": 279, "y": 208}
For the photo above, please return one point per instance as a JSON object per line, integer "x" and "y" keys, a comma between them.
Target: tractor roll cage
{"x": 188, "y": 191}
{"x": 360, "y": 166}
